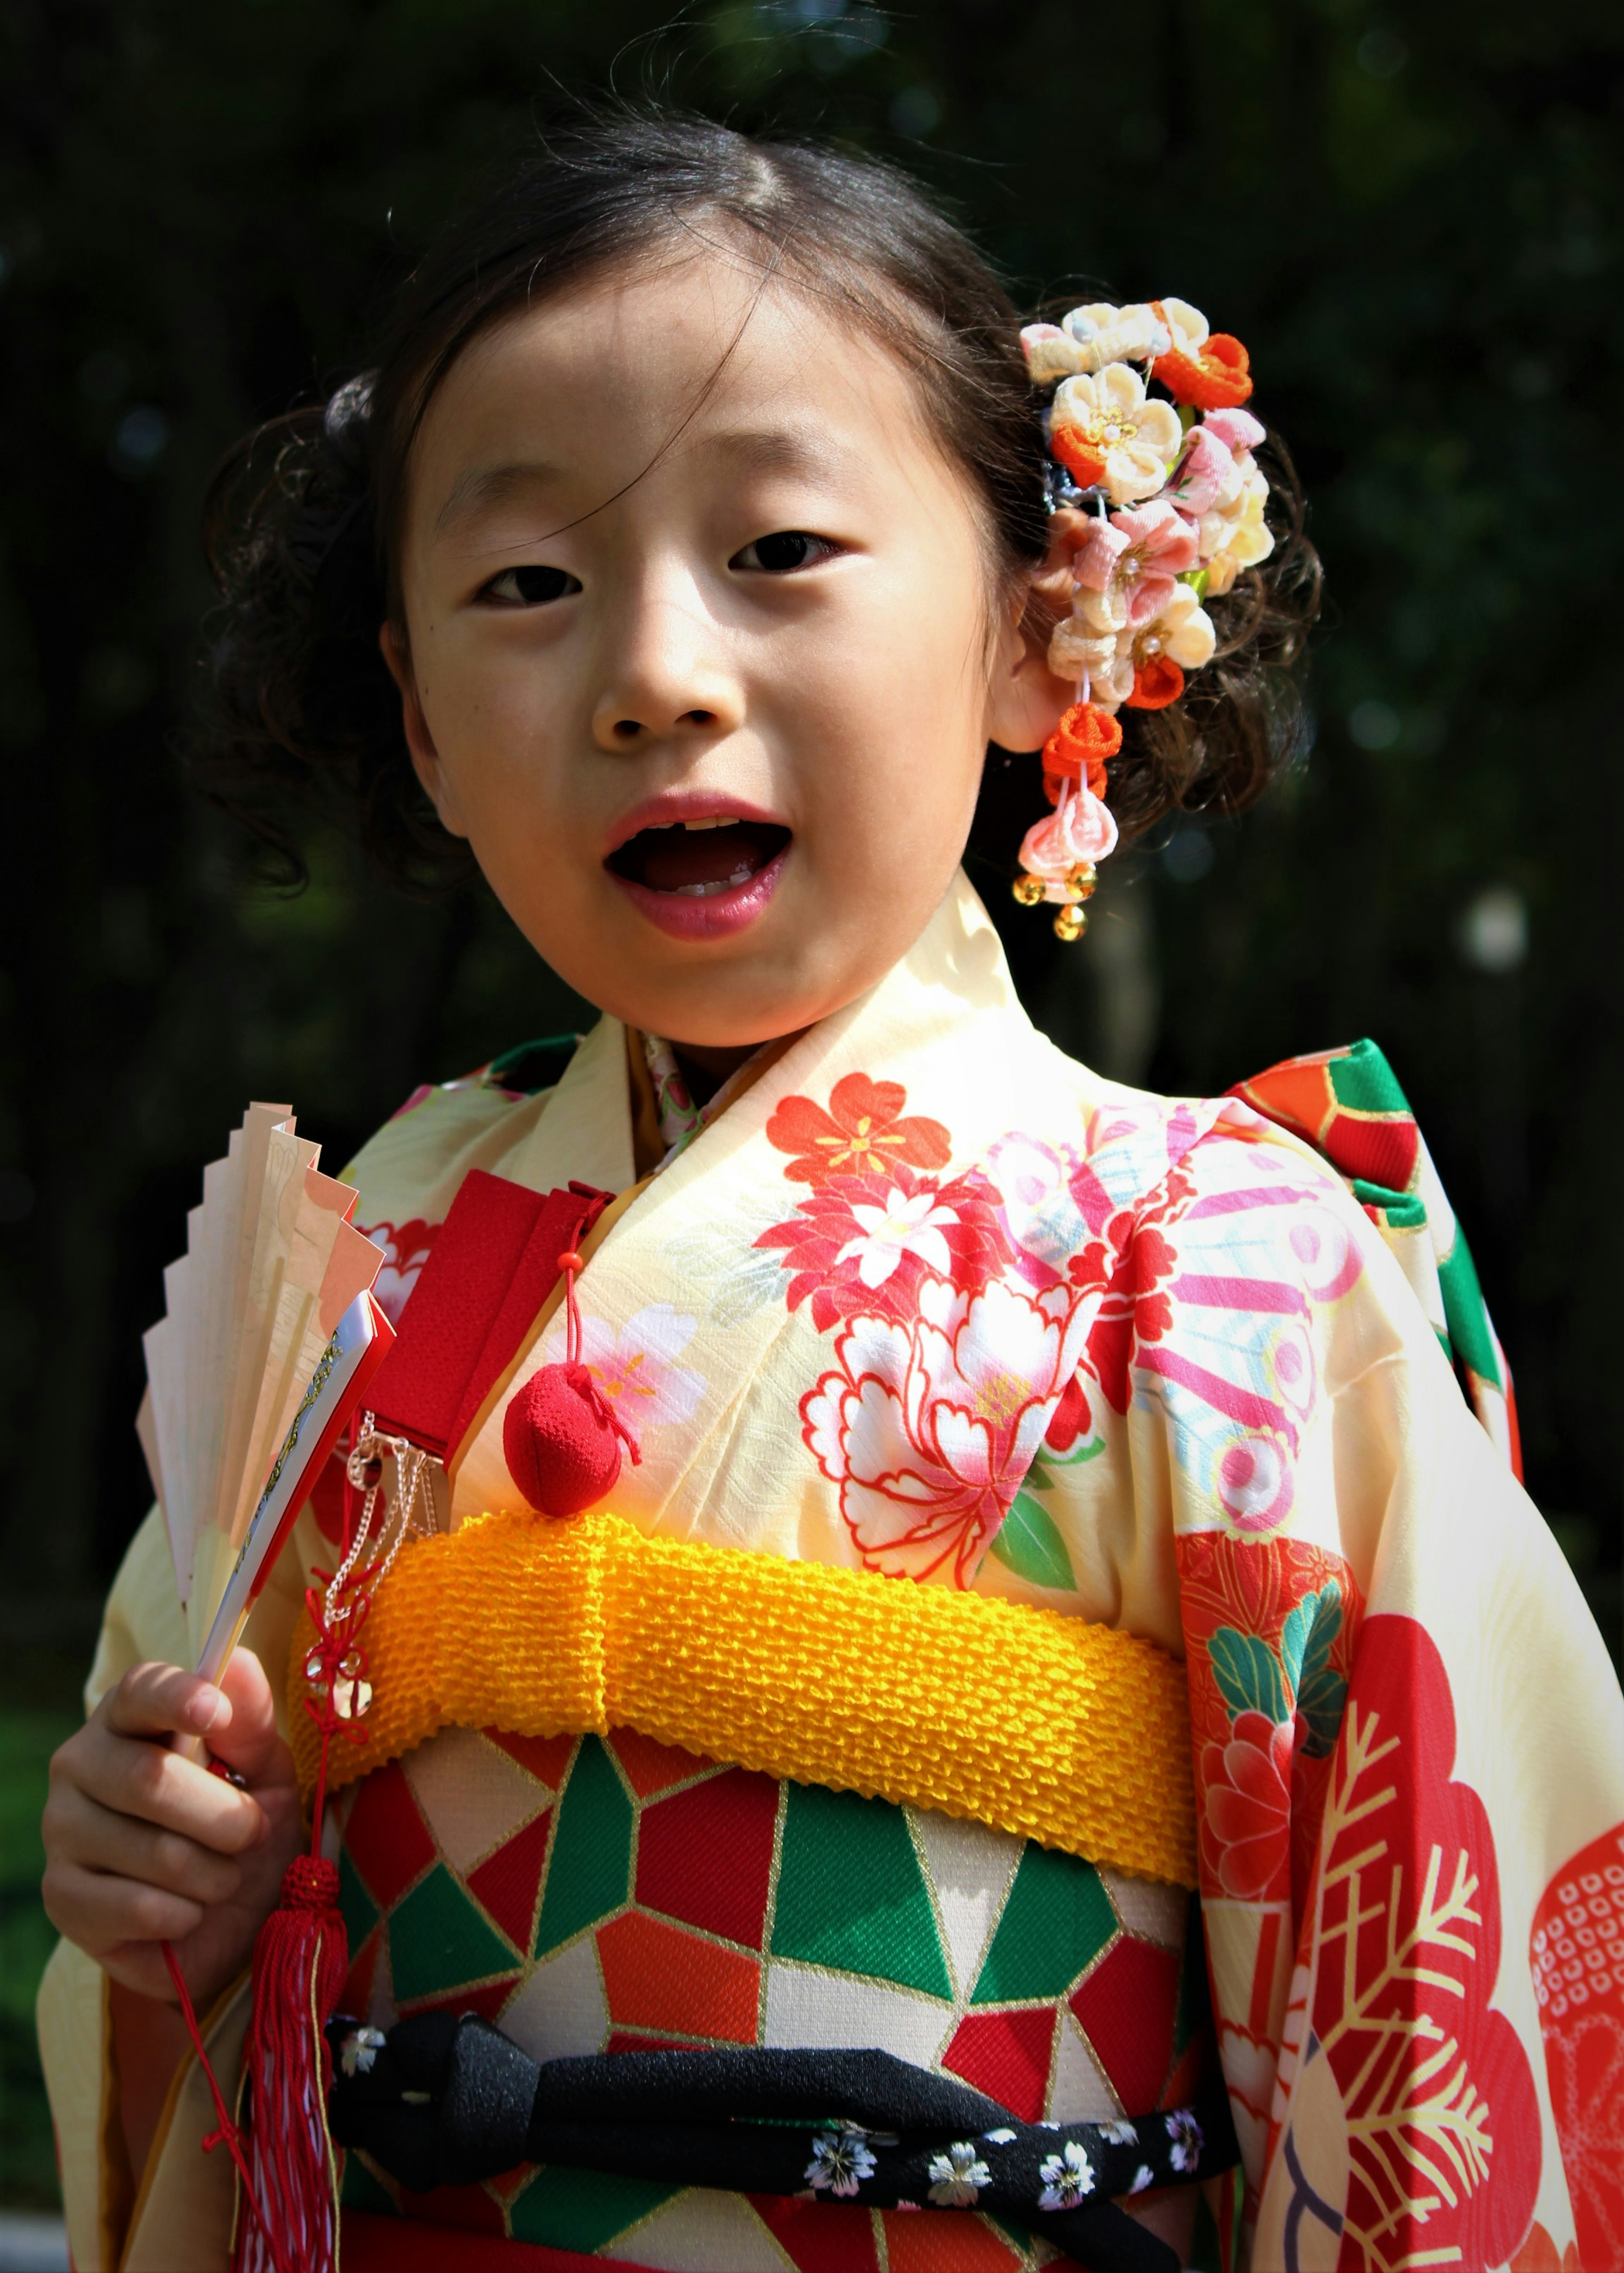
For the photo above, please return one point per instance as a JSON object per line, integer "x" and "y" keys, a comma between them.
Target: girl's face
{"x": 702, "y": 653}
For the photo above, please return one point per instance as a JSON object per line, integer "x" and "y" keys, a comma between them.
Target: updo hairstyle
{"x": 303, "y": 516}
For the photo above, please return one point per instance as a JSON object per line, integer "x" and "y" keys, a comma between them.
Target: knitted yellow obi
{"x": 1071, "y": 1734}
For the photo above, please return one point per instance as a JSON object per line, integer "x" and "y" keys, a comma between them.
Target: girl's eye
{"x": 530, "y": 588}
{"x": 784, "y": 550}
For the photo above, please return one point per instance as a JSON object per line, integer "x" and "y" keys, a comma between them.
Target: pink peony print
{"x": 929, "y": 1424}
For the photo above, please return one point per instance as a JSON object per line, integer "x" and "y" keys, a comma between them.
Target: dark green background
{"x": 1412, "y": 218}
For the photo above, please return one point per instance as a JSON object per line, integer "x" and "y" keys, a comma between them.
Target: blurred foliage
{"x": 1412, "y": 217}
{"x": 27, "y": 2160}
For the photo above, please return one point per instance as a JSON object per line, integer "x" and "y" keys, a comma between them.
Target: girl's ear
{"x": 1026, "y": 697}
{"x": 419, "y": 741}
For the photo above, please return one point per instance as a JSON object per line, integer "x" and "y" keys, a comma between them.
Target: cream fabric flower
{"x": 1189, "y": 326}
{"x": 1079, "y": 647}
{"x": 1182, "y": 632}
{"x": 1105, "y": 334}
{"x": 1234, "y": 527}
{"x": 1050, "y": 354}
{"x": 1133, "y": 440}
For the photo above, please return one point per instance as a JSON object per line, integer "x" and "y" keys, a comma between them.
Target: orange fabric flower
{"x": 1156, "y": 683}
{"x": 1217, "y": 376}
{"x": 1084, "y": 462}
{"x": 862, "y": 1133}
{"x": 1085, "y": 737}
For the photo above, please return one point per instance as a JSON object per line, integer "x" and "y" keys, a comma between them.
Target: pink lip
{"x": 718, "y": 914}
{"x": 675, "y": 805}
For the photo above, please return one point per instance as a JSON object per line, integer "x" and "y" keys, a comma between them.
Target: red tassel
{"x": 300, "y": 1962}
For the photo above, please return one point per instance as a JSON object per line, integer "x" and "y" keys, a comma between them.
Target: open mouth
{"x": 699, "y": 859}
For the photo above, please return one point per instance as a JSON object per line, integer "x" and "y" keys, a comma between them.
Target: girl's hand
{"x": 144, "y": 1846}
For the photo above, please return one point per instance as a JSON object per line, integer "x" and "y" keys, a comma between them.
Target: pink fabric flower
{"x": 1082, "y": 829}
{"x": 1201, "y": 473}
{"x": 1132, "y": 562}
{"x": 1236, "y": 429}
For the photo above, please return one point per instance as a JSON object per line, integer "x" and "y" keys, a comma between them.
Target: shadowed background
{"x": 1411, "y": 216}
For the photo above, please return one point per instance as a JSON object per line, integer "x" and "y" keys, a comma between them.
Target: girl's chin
{"x": 708, "y": 915}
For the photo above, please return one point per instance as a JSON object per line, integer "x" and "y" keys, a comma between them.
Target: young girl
{"x": 702, "y": 529}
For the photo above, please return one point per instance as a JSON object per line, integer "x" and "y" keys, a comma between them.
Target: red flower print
{"x": 863, "y": 1246}
{"x": 862, "y": 1133}
{"x": 1410, "y": 2130}
{"x": 1247, "y": 1826}
{"x": 1072, "y": 1417}
{"x": 1133, "y": 1309}
{"x": 406, "y": 1249}
{"x": 1577, "y": 1953}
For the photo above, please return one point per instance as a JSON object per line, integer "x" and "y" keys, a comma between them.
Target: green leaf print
{"x": 1321, "y": 1692}
{"x": 1248, "y": 1674}
{"x": 1027, "y": 1543}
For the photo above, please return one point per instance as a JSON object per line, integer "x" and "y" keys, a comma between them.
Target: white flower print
{"x": 1185, "y": 2134}
{"x": 957, "y": 2177}
{"x": 1119, "y": 2134}
{"x": 634, "y": 1365}
{"x": 1142, "y": 2178}
{"x": 929, "y": 1427}
{"x": 905, "y": 1226}
{"x": 359, "y": 2050}
{"x": 998, "y": 2138}
{"x": 1067, "y": 2177}
{"x": 840, "y": 2163}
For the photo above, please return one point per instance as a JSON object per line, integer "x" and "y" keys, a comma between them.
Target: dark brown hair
{"x": 301, "y": 518}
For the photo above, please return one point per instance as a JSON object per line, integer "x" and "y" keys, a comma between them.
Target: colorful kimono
{"x": 920, "y": 1299}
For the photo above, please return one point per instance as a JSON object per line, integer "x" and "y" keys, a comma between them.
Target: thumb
{"x": 245, "y": 1736}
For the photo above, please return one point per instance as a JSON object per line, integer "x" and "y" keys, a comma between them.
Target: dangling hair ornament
{"x": 1177, "y": 513}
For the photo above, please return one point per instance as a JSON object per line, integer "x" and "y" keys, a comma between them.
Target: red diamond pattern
{"x": 680, "y": 1840}
{"x": 389, "y": 1842}
{"x": 1007, "y": 2056}
{"x": 1125, "y": 2008}
{"x": 507, "y": 1881}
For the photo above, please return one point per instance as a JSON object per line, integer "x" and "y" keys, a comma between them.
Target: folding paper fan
{"x": 268, "y": 1339}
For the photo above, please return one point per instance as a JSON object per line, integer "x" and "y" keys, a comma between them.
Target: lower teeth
{"x": 725, "y": 884}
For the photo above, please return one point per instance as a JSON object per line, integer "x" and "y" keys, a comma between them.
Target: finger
{"x": 98, "y": 1910}
{"x": 136, "y": 1776}
{"x": 80, "y": 1830}
{"x": 162, "y": 1700}
{"x": 244, "y": 1736}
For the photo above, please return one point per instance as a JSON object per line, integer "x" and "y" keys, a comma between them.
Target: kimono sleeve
{"x": 1408, "y": 1743}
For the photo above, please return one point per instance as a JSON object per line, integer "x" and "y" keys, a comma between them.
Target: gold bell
{"x": 1071, "y": 923}
{"x": 1081, "y": 881}
{"x": 1028, "y": 890}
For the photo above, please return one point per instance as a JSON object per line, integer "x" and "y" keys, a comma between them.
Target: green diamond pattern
{"x": 359, "y": 2189}
{"x": 1364, "y": 1082}
{"x": 589, "y": 1869}
{"x": 1057, "y": 1919}
{"x": 851, "y": 1893}
{"x": 440, "y": 1940}
{"x": 360, "y": 1912}
{"x": 582, "y": 2210}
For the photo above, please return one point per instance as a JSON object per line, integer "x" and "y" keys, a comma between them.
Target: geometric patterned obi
{"x": 607, "y": 1893}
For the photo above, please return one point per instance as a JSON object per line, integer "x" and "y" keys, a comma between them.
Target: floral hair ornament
{"x": 1178, "y": 511}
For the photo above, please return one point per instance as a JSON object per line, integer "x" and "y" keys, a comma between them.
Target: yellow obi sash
{"x": 1071, "y": 1734}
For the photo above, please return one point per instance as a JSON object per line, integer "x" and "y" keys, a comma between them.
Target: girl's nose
{"x": 669, "y": 675}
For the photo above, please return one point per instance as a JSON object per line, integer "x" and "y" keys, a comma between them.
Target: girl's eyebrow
{"x": 781, "y": 450}
{"x": 487, "y": 485}
{"x": 755, "y": 449}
